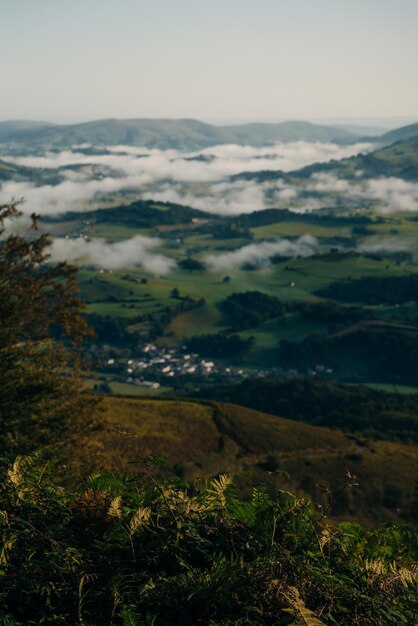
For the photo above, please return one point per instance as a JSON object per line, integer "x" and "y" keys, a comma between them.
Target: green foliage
{"x": 251, "y": 308}
{"x": 219, "y": 345}
{"x": 374, "y": 290}
{"x": 350, "y": 408}
{"x": 191, "y": 265}
{"x": 139, "y": 552}
{"x": 370, "y": 351}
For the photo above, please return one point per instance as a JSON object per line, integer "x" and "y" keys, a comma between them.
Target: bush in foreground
{"x": 139, "y": 552}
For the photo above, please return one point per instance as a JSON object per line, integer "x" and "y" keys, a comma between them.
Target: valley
{"x": 290, "y": 294}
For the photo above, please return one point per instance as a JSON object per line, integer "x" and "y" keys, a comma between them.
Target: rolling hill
{"x": 11, "y": 171}
{"x": 400, "y": 134}
{"x": 141, "y": 214}
{"x": 399, "y": 160}
{"x": 184, "y": 134}
{"x": 201, "y": 438}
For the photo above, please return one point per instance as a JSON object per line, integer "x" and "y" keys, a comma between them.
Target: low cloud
{"x": 388, "y": 194}
{"x": 217, "y": 163}
{"x": 385, "y": 245}
{"x": 259, "y": 254}
{"x": 69, "y": 195}
{"x": 394, "y": 194}
{"x": 135, "y": 252}
{"x": 200, "y": 179}
{"x": 170, "y": 175}
{"x": 221, "y": 198}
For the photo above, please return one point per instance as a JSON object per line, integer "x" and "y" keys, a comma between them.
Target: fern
{"x": 305, "y": 616}
{"x": 111, "y": 483}
{"x": 128, "y": 616}
{"x": 115, "y": 508}
{"x": 139, "y": 519}
{"x": 389, "y": 575}
{"x": 218, "y": 489}
{"x": 14, "y": 473}
{"x": 128, "y": 549}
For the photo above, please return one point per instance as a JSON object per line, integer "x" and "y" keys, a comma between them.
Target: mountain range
{"x": 186, "y": 134}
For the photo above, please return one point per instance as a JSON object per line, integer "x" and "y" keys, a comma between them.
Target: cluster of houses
{"x": 157, "y": 365}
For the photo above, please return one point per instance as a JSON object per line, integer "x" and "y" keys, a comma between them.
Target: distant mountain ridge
{"x": 400, "y": 134}
{"x": 185, "y": 134}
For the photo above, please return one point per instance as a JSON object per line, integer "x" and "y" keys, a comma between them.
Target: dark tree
{"x": 41, "y": 333}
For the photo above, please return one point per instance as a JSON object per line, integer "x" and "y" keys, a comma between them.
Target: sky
{"x": 68, "y": 61}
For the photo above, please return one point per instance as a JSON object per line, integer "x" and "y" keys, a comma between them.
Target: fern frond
{"x": 305, "y": 616}
{"x": 128, "y": 616}
{"x": 407, "y": 577}
{"x": 189, "y": 504}
{"x": 139, "y": 520}
{"x": 388, "y": 576}
{"x": 14, "y": 473}
{"x": 244, "y": 512}
{"x": 375, "y": 567}
{"x": 115, "y": 508}
{"x": 218, "y": 488}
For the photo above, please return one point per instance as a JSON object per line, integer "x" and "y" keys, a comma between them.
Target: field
{"x": 171, "y": 309}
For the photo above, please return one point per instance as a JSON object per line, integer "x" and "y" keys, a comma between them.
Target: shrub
{"x": 138, "y": 552}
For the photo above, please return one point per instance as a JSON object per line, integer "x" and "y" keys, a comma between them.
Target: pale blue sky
{"x": 65, "y": 60}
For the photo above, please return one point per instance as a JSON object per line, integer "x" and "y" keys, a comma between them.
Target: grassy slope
{"x": 200, "y": 439}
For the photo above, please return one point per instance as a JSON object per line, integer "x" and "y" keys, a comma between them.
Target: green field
{"x": 142, "y": 301}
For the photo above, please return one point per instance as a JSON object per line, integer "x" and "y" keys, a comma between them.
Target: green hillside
{"x": 10, "y": 171}
{"x": 140, "y": 214}
{"x": 400, "y": 134}
{"x": 202, "y": 438}
{"x": 399, "y": 160}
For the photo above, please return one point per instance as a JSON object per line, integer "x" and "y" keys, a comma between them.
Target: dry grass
{"x": 201, "y": 439}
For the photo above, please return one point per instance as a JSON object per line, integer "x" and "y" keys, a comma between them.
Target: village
{"x": 156, "y": 366}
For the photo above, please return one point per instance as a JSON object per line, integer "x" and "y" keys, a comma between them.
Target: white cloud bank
{"x": 259, "y": 254}
{"x": 167, "y": 175}
{"x": 135, "y": 252}
{"x": 390, "y": 194}
{"x": 200, "y": 179}
{"x": 221, "y": 161}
